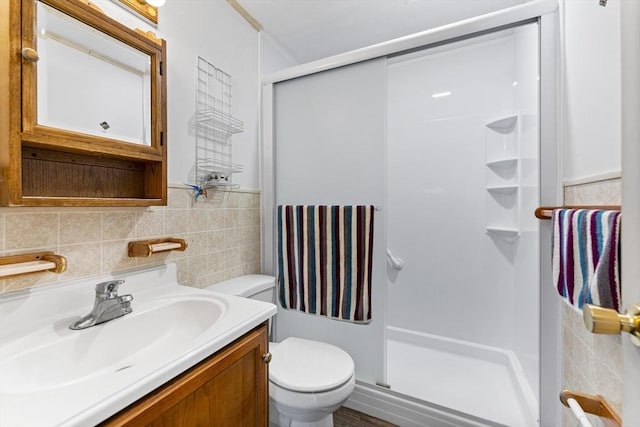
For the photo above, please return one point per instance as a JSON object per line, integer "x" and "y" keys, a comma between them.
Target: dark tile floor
{"x": 345, "y": 417}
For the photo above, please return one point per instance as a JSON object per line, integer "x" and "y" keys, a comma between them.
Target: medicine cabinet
{"x": 83, "y": 121}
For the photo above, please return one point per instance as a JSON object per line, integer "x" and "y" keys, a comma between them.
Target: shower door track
{"x": 490, "y": 22}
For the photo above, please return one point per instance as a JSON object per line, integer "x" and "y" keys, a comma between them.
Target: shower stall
{"x": 442, "y": 133}
{"x": 462, "y": 183}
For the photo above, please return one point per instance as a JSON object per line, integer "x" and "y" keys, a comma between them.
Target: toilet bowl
{"x": 308, "y": 380}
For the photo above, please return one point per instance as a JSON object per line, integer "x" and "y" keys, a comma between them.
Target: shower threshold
{"x": 477, "y": 380}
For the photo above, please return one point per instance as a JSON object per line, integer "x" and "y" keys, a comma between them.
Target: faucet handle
{"x": 110, "y": 288}
{"x": 125, "y": 303}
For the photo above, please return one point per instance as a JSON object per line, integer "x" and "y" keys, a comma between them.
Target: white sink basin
{"x": 83, "y": 377}
{"x": 111, "y": 347}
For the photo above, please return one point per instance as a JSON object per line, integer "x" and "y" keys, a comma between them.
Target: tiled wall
{"x": 222, "y": 231}
{"x": 592, "y": 363}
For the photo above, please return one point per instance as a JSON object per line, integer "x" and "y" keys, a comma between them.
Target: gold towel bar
{"x": 544, "y": 212}
{"x": 14, "y": 265}
{"x": 144, "y": 248}
{"x": 596, "y": 405}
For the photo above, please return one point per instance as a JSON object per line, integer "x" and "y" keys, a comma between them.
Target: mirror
{"x": 90, "y": 82}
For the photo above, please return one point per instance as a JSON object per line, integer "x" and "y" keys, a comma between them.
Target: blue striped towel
{"x": 325, "y": 260}
{"x": 586, "y": 256}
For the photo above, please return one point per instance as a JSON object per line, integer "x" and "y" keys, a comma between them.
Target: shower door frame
{"x": 373, "y": 399}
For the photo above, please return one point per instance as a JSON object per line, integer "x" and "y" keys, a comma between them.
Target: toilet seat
{"x": 306, "y": 366}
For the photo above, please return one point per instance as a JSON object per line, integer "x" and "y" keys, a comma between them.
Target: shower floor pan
{"x": 478, "y": 380}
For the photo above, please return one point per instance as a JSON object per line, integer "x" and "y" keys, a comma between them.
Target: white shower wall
{"x": 526, "y": 303}
{"x": 458, "y": 281}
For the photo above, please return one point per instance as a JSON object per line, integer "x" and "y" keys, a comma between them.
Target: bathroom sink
{"x": 81, "y": 377}
{"x": 75, "y": 356}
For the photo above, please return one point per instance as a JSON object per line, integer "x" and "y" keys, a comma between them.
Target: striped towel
{"x": 325, "y": 260}
{"x": 586, "y": 256}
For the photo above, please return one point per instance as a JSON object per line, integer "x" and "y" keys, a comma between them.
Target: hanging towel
{"x": 586, "y": 256}
{"x": 325, "y": 260}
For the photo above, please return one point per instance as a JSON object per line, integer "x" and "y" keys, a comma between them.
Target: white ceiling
{"x": 314, "y": 29}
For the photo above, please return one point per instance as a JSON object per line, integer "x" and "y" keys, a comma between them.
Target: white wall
{"x": 630, "y": 188}
{"x": 214, "y": 30}
{"x": 591, "y": 89}
{"x": 273, "y": 57}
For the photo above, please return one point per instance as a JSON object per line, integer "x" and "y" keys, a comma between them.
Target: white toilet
{"x": 308, "y": 380}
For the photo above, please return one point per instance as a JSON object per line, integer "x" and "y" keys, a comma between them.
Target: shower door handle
{"x": 395, "y": 262}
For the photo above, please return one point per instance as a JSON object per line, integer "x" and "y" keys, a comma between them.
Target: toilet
{"x": 308, "y": 380}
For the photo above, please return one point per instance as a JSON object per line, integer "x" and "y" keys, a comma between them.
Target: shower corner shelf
{"x": 504, "y": 124}
{"x": 503, "y": 177}
{"x": 505, "y": 163}
{"x": 214, "y": 125}
{"x": 503, "y": 189}
{"x": 504, "y": 233}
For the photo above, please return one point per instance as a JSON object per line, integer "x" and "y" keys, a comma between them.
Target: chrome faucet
{"x": 107, "y": 306}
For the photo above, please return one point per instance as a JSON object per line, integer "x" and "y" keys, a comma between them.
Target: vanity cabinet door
{"x": 227, "y": 389}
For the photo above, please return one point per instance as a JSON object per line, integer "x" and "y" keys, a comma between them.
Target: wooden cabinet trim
{"x": 92, "y": 201}
{"x": 10, "y": 68}
{"x": 69, "y": 141}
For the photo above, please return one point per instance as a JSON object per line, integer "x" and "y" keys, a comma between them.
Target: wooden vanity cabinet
{"x": 45, "y": 163}
{"x": 230, "y": 388}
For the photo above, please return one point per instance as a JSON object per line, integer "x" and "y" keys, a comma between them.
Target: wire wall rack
{"x": 214, "y": 125}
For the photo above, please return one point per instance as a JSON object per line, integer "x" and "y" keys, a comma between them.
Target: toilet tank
{"x": 254, "y": 286}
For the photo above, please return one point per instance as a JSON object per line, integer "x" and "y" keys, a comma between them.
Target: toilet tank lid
{"x": 245, "y": 286}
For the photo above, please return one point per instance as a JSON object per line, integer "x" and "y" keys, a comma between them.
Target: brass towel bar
{"x": 144, "y": 248}
{"x": 544, "y": 212}
{"x": 14, "y": 265}
{"x": 596, "y": 405}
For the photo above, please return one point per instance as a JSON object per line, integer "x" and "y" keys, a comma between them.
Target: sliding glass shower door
{"x": 462, "y": 159}
{"x": 445, "y": 143}
{"x": 330, "y": 150}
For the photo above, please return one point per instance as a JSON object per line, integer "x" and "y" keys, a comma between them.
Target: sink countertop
{"x": 53, "y": 376}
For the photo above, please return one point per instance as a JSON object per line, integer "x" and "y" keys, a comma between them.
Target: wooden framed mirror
{"x": 86, "y": 112}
